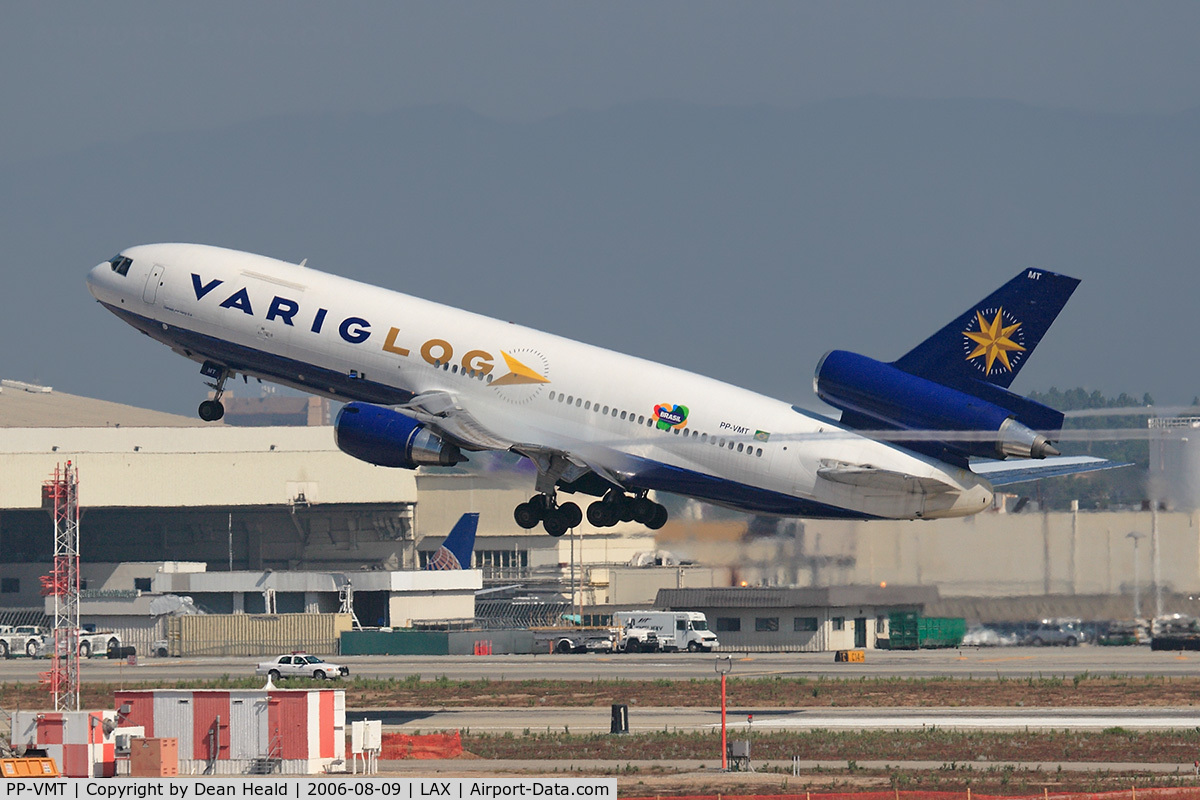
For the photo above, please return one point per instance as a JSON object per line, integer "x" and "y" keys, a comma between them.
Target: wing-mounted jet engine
{"x": 388, "y": 438}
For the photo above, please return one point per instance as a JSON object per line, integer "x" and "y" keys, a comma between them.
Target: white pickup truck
{"x": 300, "y": 665}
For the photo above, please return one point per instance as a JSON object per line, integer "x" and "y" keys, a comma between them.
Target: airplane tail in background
{"x": 957, "y": 380}
{"x": 455, "y": 552}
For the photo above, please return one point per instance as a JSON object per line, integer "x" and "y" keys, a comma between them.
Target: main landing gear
{"x": 613, "y": 508}
{"x": 212, "y": 410}
{"x": 543, "y": 508}
{"x": 619, "y": 507}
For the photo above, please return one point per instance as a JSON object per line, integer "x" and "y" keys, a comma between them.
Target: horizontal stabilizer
{"x": 1004, "y": 473}
{"x": 867, "y": 477}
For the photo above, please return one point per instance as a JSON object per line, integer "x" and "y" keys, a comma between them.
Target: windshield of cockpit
{"x": 120, "y": 264}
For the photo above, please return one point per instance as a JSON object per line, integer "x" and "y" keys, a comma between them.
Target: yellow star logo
{"x": 992, "y": 340}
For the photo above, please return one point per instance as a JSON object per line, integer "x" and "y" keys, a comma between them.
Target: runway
{"x": 1015, "y": 662}
{"x": 744, "y": 720}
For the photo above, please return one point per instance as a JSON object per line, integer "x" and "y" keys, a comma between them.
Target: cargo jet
{"x": 922, "y": 437}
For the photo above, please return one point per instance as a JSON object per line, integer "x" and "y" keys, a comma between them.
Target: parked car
{"x": 1045, "y": 633}
{"x": 301, "y": 665}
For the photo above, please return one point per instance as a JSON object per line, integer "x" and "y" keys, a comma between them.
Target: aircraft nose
{"x": 107, "y": 279}
{"x": 95, "y": 276}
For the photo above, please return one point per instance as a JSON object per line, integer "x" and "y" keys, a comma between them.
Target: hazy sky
{"x": 78, "y": 73}
{"x": 705, "y": 144}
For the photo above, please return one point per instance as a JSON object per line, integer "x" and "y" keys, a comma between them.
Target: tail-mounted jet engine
{"x": 872, "y": 393}
{"x": 388, "y": 438}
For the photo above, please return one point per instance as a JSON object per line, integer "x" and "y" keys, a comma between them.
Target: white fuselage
{"x": 661, "y": 427}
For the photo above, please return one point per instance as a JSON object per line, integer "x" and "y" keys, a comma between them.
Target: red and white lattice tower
{"x": 62, "y": 492}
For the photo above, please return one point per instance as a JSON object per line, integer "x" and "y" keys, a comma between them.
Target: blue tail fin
{"x": 991, "y": 341}
{"x": 455, "y": 552}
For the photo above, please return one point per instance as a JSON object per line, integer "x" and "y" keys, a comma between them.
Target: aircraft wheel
{"x": 624, "y": 509}
{"x": 643, "y": 510}
{"x": 555, "y": 523}
{"x": 211, "y": 410}
{"x": 659, "y": 519}
{"x": 527, "y": 515}
{"x": 572, "y": 514}
{"x": 598, "y": 514}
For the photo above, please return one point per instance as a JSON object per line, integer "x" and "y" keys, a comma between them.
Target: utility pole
{"x": 1137, "y": 588}
{"x": 723, "y": 665}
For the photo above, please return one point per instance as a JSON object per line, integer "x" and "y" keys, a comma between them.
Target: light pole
{"x": 1137, "y": 587}
{"x": 723, "y": 665}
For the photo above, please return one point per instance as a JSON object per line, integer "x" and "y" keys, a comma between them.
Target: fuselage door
{"x": 153, "y": 281}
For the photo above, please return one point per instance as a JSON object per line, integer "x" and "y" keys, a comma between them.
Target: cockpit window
{"x": 120, "y": 264}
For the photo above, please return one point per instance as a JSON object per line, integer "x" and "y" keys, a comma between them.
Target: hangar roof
{"x": 195, "y": 467}
{"x": 802, "y": 597}
{"x": 28, "y": 405}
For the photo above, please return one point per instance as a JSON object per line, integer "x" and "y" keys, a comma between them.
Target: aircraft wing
{"x": 868, "y": 477}
{"x": 1003, "y": 473}
{"x": 565, "y": 466}
{"x": 442, "y": 410}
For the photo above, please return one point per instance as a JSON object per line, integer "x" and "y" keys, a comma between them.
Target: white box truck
{"x": 676, "y": 630}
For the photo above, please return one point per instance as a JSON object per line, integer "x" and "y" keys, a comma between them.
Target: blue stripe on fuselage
{"x": 648, "y": 473}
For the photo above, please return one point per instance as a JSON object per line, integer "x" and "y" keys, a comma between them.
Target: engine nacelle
{"x": 388, "y": 438}
{"x": 892, "y": 398}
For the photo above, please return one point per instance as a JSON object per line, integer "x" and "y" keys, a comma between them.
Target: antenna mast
{"x": 62, "y": 492}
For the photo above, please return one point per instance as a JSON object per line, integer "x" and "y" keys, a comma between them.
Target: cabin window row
{"x": 640, "y": 419}
{"x": 454, "y": 369}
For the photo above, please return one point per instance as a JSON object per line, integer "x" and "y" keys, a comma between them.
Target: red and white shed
{"x": 80, "y": 742}
{"x": 223, "y": 732}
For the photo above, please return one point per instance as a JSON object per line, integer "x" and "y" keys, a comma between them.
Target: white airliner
{"x": 424, "y": 382}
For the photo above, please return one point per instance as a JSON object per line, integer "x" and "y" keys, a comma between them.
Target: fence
{"x": 255, "y": 634}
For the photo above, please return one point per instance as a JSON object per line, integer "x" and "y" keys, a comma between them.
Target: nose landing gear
{"x": 212, "y": 410}
{"x": 543, "y": 508}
